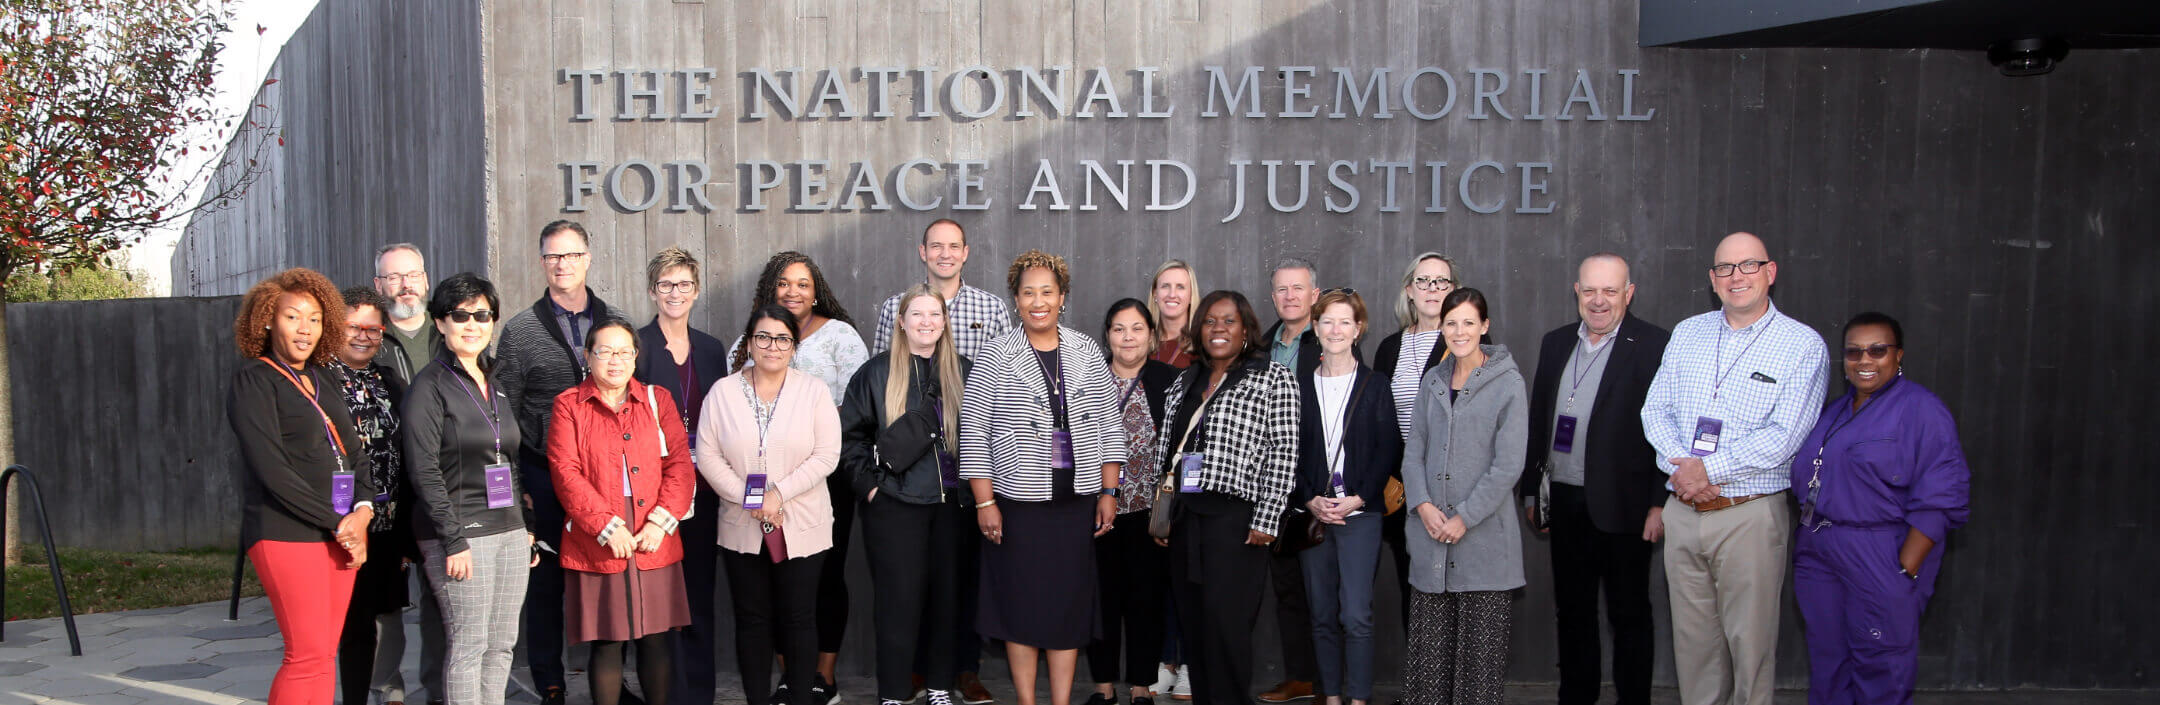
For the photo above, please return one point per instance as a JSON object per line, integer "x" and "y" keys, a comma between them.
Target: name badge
{"x": 1188, "y": 465}
{"x": 753, "y": 496}
{"x": 341, "y": 492}
{"x": 1706, "y": 435}
{"x": 1563, "y": 434}
{"x": 499, "y": 494}
{"x": 1335, "y": 484}
{"x": 1061, "y": 450}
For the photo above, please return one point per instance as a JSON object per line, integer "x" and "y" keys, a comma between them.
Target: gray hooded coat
{"x": 1464, "y": 458}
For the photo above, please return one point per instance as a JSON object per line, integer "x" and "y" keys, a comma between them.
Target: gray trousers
{"x": 389, "y": 680}
{"x": 480, "y": 614}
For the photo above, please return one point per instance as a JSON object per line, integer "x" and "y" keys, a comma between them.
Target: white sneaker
{"x": 1183, "y": 689}
{"x": 1165, "y": 679}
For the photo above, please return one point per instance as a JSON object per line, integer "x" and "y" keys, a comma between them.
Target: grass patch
{"x": 111, "y": 581}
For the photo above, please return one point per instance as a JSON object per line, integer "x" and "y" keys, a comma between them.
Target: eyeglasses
{"x": 1873, "y": 352}
{"x": 1433, "y": 283}
{"x": 417, "y": 275}
{"x": 613, "y": 354}
{"x": 364, "y": 331}
{"x": 462, "y": 315}
{"x": 1748, "y": 267}
{"x": 765, "y": 341}
{"x": 672, "y": 287}
{"x": 552, "y": 260}
{"x": 1339, "y": 290}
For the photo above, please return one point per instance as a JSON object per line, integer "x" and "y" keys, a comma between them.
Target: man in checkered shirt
{"x": 976, "y": 315}
{"x": 1734, "y": 397}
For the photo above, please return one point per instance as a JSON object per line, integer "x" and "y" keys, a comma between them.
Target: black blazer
{"x": 1390, "y": 353}
{"x": 1155, "y": 379}
{"x": 1372, "y": 440}
{"x": 656, "y": 367}
{"x": 285, "y": 488}
{"x": 1620, "y": 474}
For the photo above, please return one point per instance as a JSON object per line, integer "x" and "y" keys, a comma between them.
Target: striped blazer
{"x": 1005, "y": 420}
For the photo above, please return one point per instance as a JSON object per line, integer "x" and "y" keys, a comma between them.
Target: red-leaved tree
{"x": 99, "y": 99}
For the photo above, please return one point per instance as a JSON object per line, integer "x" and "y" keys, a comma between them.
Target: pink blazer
{"x": 803, "y": 447}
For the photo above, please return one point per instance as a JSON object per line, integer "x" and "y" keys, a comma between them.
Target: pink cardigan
{"x": 802, "y": 449}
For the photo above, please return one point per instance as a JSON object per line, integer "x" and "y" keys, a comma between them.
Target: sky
{"x": 242, "y": 66}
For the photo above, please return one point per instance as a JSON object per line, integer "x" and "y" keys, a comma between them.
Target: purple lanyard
{"x": 1578, "y": 367}
{"x": 1059, "y": 416}
{"x": 489, "y": 412}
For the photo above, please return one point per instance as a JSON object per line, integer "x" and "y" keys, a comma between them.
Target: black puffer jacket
{"x": 862, "y": 411}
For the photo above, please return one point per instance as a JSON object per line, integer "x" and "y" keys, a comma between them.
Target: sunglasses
{"x": 462, "y": 315}
{"x": 1873, "y": 352}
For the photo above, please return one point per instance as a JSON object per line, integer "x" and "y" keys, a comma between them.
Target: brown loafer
{"x": 1287, "y": 691}
{"x": 972, "y": 691}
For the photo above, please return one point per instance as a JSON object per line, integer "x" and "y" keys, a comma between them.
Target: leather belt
{"x": 1718, "y": 503}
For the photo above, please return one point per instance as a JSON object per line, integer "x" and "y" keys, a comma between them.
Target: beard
{"x": 404, "y": 312}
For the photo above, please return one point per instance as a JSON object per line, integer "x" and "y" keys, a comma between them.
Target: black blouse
{"x": 288, "y": 456}
{"x": 450, "y": 439}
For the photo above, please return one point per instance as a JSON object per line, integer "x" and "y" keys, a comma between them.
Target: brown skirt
{"x": 624, "y": 606}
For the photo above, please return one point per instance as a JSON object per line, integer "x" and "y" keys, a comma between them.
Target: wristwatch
{"x": 1110, "y": 491}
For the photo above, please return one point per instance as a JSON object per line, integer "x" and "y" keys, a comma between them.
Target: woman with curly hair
{"x": 829, "y": 349}
{"x": 308, "y": 483}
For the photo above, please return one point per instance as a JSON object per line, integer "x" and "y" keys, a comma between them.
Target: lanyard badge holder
{"x": 1061, "y": 440}
{"x": 501, "y": 492}
{"x": 1190, "y": 462}
{"x": 343, "y": 484}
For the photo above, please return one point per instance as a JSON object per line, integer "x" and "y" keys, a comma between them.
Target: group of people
{"x": 1130, "y": 493}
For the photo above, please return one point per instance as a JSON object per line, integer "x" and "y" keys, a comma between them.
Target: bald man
{"x": 1604, "y": 498}
{"x": 1736, "y": 393}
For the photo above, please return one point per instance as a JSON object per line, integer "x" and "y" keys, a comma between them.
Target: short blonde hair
{"x": 667, "y": 259}
{"x": 1405, "y": 311}
{"x": 1037, "y": 258}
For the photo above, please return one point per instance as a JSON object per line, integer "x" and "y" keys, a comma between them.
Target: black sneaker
{"x": 1143, "y": 700}
{"x": 1100, "y": 699}
{"x": 823, "y": 693}
{"x": 780, "y": 695}
{"x": 939, "y": 697}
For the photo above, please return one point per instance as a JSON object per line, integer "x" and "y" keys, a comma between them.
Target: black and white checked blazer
{"x": 1250, "y": 437}
{"x": 1005, "y": 421}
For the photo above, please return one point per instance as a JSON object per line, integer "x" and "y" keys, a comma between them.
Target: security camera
{"x": 2030, "y": 56}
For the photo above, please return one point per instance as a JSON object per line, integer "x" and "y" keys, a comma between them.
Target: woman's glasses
{"x": 463, "y": 316}
{"x": 1873, "y": 352}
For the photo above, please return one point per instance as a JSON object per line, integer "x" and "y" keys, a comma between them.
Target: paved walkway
{"x": 191, "y": 655}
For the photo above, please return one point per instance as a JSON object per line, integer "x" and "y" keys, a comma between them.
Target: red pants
{"x": 309, "y": 588}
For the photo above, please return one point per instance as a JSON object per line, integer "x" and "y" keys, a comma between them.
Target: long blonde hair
{"x": 1155, "y": 309}
{"x": 900, "y": 367}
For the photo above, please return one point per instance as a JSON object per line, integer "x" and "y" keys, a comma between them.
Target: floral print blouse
{"x": 368, "y": 397}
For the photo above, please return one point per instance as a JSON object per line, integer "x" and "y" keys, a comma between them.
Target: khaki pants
{"x": 1725, "y": 571}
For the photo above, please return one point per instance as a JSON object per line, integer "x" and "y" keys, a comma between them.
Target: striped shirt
{"x": 1764, "y": 382}
{"x": 1005, "y": 417}
{"x": 1410, "y": 373}
{"x": 976, "y": 316}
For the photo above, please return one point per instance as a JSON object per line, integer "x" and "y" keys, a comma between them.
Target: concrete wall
{"x": 378, "y": 105}
{"x": 120, "y": 412}
{"x": 1921, "y": 183}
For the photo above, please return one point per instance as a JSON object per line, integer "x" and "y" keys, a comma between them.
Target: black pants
{"x": 1131, "y": 572}
{"x": 694, "y": 657}
{"x": 542, "y": 636}
{"x": 357, "y": 643}
{"x": 967, "y": 562}
{"x": 1293, "y": 617}
{"x": 1585, "y": 558}
{"x": 1391, "y": 532}
{"x": 775, "y": 612}
{"x": 1218, "y": 580}
{"x": 832, "y": 592}
{"x": 913, "y": 576}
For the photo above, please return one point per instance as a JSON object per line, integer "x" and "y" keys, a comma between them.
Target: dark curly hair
{"x": 741, "y": 357}
{"x": 1256, "y": 348}
{"x": 258, "y": 310}
{"x": 358, "y": 296}
{"x": 1038, "y": 258}
{"x": 824, "y": 302}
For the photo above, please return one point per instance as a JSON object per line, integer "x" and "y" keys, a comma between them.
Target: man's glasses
{"x": 552, "y": 260}
{"x": 1873, "y": 352}
{"x": 462, "y": 315}
{"x": 416, "y": 276}
{"x": 765, "y": 341}
{"x": 1748, "y": 267}
{"x": 1433, "y": 283}
{"x": 364, "y": 331}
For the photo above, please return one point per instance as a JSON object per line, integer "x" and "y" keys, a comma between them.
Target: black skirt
{"x": 1038, "y": 587}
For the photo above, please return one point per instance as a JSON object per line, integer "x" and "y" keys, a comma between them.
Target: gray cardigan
{"x": 1464, "y": 458}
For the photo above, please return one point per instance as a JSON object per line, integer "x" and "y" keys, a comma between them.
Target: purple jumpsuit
{"x": 1895, "y": 464}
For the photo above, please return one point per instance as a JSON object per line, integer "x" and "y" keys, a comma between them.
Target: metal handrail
{"x": 52, "y": 555}
{"x": 239, "y": 568}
